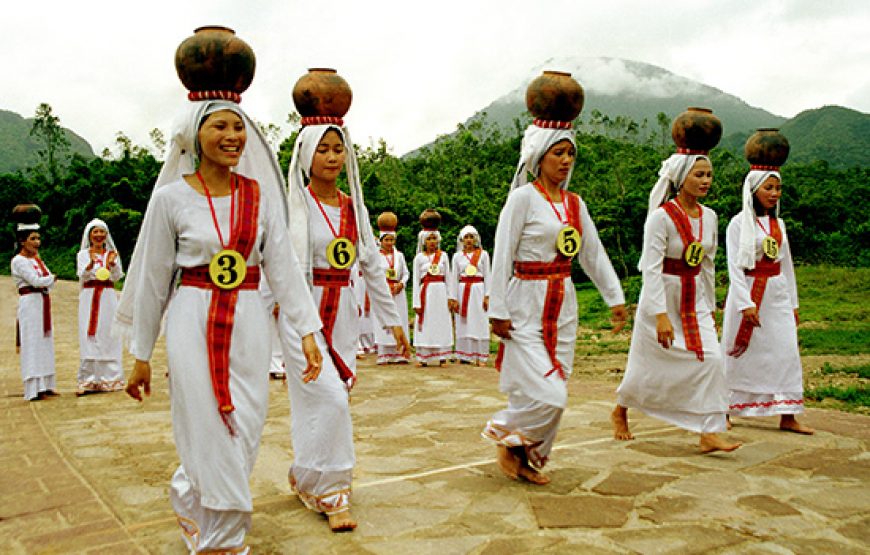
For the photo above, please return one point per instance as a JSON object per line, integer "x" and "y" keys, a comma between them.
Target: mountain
{"x": 18, "y": 149}
{"x": 617, "y": 87}
{"x": 841, "y": 136}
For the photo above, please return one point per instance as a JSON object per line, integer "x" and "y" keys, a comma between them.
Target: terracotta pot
{"x": 430, "y": 219}
{"x": 387, "y": 221}
{"x": 696, "y": 129}
{"x": 214, "y": 59}
{"x": 766, "y": 147}
{"x": 322, "y": 92}
{"x": 26, "y": 214}
{"x": 555, "y": 95}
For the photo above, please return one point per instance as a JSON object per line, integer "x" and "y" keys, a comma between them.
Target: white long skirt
{"x": 528, "y": 424}
{"x": 37, "y": 349}
{"x": 433, "y": 340}
{"x": 100, "y": 368}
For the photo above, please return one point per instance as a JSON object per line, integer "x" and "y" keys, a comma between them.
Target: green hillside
{"x": 18, "y": 149}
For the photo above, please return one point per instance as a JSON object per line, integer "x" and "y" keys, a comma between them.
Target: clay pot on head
{"x": 696, "y": 129}
{"x": 322, "y": 92}
{"x": 26, "y": 214}
{"x": 388, "y": 221}
{"x": 554, "y": 96}
{"x": 214, "y": 59}
{"x": 430, "y": 219}
{"x": 766, "y": 147}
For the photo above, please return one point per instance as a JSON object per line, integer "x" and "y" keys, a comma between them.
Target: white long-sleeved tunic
{"x": 180, "y": 233}
{"x": 476, "y": 323}
{"x": 384, "y": 335}
{"x": 437, "y": 328}
{"x": 526, "y": 232}
{"x": 101, "y": 347}
{"x": 37, "y": 350}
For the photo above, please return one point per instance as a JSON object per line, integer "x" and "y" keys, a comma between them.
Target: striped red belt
{"x": 558, "y": 269}
{"x": 332, "y": 280}
{"x": 471, "y": 279}
{"x": 688, "y": 315}
{"x": 98, "y": 287}
{"x": 198, "y": 277}
{"x": 331, "y": 277}
{"x": 678, "y": 267}
{"x": 46, "y": 305}
{"x": 427, "y": 279}
{"x": 466, "y": 292}
{"x": 764, "y": 268}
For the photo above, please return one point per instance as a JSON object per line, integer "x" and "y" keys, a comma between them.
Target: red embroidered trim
{"x": 468, "y": 280}
{"x": 98, "y": 287}
{"x": 552, "y": 124}
{"x": 682, "y": 150}
{"x": 764, "y": 168}
{"x": 766, "y": 404}
{"x": 427, "y": 279}
{"x": 433, "y": 355}
{"x": 689, "y": 318}
{"x": 322, "y": 120}
{"x": 193, "y": 96}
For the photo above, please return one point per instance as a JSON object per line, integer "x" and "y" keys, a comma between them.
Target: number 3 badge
{"x": 340, "y": 253}
{"x": 227, "y": 269}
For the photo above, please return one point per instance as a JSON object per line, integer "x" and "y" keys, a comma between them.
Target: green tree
{"x": 55, "y": 145}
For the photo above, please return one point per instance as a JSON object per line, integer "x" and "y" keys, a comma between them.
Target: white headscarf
{"x": 469, "y": 229}
{"x": 746, "y": 249}
{"x": 536, "y": 142}
{"x": 672, "y": 174}
{"x": 383, "y": 234}
{"x": 86, "y": 236}
{"x": 257, "y": 162}
{"x": 421, "y": 239}
{"x": 300, "y": 168}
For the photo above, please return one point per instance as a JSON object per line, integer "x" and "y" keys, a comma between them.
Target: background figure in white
{"x": 433, "y": 327}
{"x": 324, "y": 221}
{"x": 533, "y": 308}
{"x": 98, "y": 267}
{"x": 674, "y": 373}
{"x": 35, "y": 333}
{"x": 218, "y": 412}
{"x": 276, "y": 364}
{"x": 764, "y": 374}
{"x": 397, "y": 279}
{"x": 470, "y": 277}
{"x": 366, "y": 341}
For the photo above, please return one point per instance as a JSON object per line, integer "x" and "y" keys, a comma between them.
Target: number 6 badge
{"x": 340, "y": 253}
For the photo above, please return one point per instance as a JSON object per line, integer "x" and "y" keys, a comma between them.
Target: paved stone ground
{"x": 89, "y": 475}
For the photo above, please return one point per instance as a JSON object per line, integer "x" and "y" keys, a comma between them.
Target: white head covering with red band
{"x": 257, "y": 162}
{"x": 672, "y": 174}
{"x": 299, "y": 172}
{"x": 421, "y": 239}
{"x": 537, "y": 140}
{"x": 86, "y": 236}
{"x": 467, "y": 230}
{"x": 746, "y": 248}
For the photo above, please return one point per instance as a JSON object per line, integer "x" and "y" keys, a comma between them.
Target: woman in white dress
{"x": 674, "y": 369}
{"x": 759, "y": 337}
{"x": 34, "y": 330}
{"x": 533, "y": 308}
{"x": 331, "y": 233}
{"x": 215, "y": 224}
{"x": 397, "y": 278}
{"x": 433, "y": 328}
{"x": 470, "y": 277}
{"x": 98, "y": 267}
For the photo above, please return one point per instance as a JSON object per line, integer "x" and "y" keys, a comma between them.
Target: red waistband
{"x": 429, "y": 278}
{"x": 393, "y": 281}
{"x": 326, "y": 277}
{"x": 198, "y": 277}
{"x": 764, "y": 267}
{"x": 27, "y": 290}
{"x": 678, "y": 267}
{"x": 95, "y": 283}
{"x": 471, "y": 279}
{"x": 542, "y": 270}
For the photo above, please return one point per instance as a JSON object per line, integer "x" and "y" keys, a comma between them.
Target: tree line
{"x": 465, "y": 176}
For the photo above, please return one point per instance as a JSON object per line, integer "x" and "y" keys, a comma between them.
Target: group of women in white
{"x": 220, "y": 220}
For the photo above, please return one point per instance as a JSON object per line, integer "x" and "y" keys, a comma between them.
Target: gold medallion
{"x": 340, "y": 253}
{"x": 227, "y": 269}
{"x": 770, "y": 247}
{"x": 391, "y": 273}
{"x": 434, "y": 270}
{"x": 102, "y": 274}
{"x": 568, "y": 241}
{"x": 471, "y": 270}
{"x": 694, "y": 254}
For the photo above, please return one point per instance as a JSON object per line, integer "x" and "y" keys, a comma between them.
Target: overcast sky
{"x": 418, "y": 68}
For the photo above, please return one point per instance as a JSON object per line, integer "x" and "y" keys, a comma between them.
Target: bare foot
{"x": 788, "y": 423}
{"x": 533, "y": 476}
{"x": 442, "y": 364}
{"x": 619, "y": 418}
{"x": 421, "y": 365}
{"x": 508, "y": 463}
{"x": 728, "y": 421}
{"x": 712, "y": 442}
{"x": 341, "y": 522}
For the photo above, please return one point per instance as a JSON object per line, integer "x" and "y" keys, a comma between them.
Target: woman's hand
{"x": 664, "y": 330}
{"x": 418, "y": 311}
{"x": 276, "y": 311}
{"x": 618, "y": 316}
{"x": 501, "y": 328}
{"x": 396, "y": 288}
{"x": 486, "y": 303}
{"x": 140, "y": 376}
{"x": 797, "y": 319}
{"x": 110, "y": 258}
{"x": 402, "y": 341}
{"x": 751, "y": 315}
{"x": 453, "y": 305}
{"x": 312, "y": 357}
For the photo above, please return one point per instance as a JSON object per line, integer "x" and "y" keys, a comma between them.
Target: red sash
{"x": 679, "y": 267}
{"x": 332, "y": 281}
{"x": 427, "y": 279}
{"x": 222, "y": 310}
{"x": 98, "y": 287}
{"x": 467, "y": 281}
{"x": 46, "y": 299}
{"x": 764, "y": 269}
